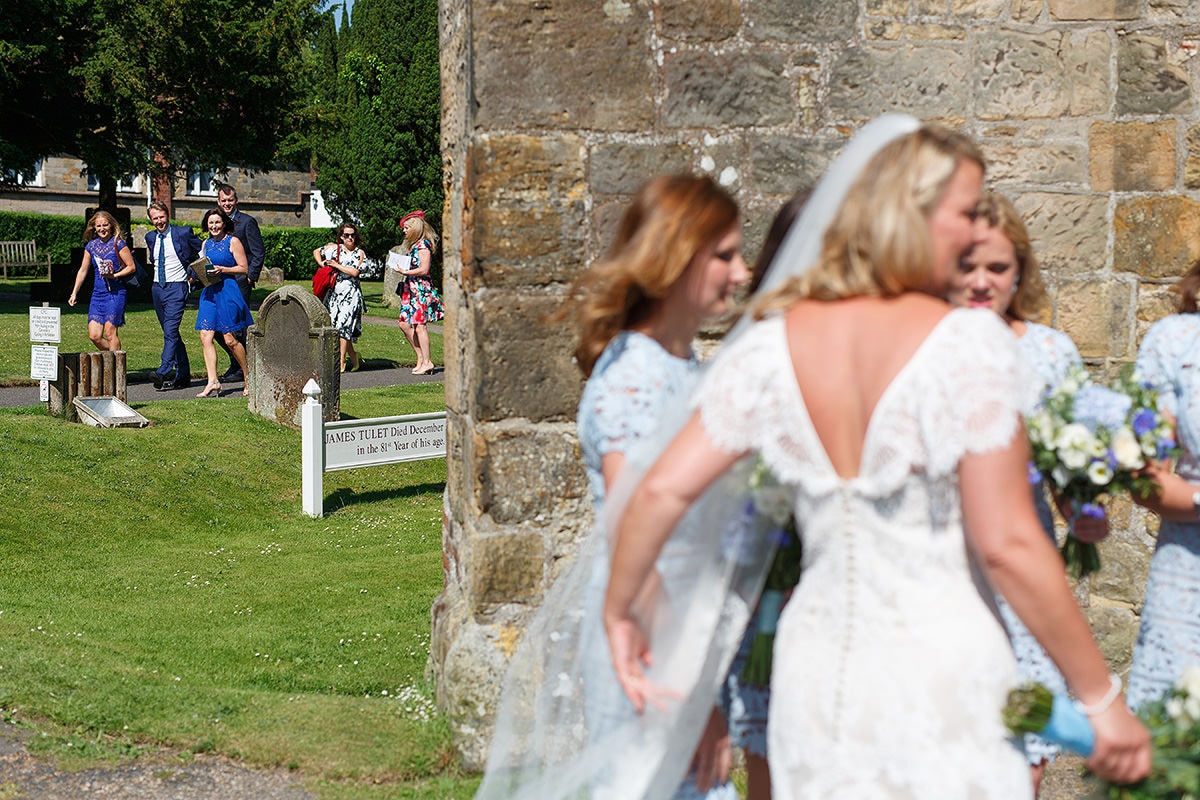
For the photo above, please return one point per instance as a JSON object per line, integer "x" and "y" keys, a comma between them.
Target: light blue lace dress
{"x": 1051, "y": 353}
{"x": 1169, "y": 638}
{"x": 634, "y": 384}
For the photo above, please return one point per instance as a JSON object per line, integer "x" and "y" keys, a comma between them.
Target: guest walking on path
{"x": 222, "y": 308}
{"x": 110, "y": 255}
{"x": 420, "y": 302}
{"x": 172, "y": 249}
{"x": 345, "y": 300}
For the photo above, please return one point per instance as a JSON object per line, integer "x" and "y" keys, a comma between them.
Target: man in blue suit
{"x": 170, "y": 249}
{"x": 245, "y": 228}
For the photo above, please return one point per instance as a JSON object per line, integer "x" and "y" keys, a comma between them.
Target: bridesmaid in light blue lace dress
{"x": 1169, "y": 638}
{"x": 1001, "y": 273}
{"x": 644, "y": 310}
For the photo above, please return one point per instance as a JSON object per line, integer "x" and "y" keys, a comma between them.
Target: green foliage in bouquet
{"x": 781, "y": 579}
{"x": 1174, "y": 724}
{"x": 772, "y": 503}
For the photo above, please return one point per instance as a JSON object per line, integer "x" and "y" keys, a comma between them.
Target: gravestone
{"x": 272, "y": 276}
{"x": 392, "y": 279}
{"x": 292, "y": 342}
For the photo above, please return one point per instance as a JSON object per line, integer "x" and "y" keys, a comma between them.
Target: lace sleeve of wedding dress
{"x": 975, "y": 400}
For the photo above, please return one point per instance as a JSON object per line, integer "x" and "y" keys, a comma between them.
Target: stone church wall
{"x": 554, "y": 111}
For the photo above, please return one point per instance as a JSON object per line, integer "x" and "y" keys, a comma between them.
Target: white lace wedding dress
{"x": 890, "y": 666}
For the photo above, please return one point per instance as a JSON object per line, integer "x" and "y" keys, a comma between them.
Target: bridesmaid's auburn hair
{"x": 878, "y": 243}
{"x": 1188, "y": 287}
{"x": 669, "y": 220}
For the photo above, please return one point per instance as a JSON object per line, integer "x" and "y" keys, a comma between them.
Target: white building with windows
{"x": 63, "y": 186}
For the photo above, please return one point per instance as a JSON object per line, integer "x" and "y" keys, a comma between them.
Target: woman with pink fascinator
{"x": 420, "y": 302}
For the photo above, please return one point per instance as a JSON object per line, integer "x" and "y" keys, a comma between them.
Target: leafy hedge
{"x": 287, "y": 248}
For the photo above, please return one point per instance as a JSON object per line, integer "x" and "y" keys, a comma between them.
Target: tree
{"x": 376, "y": 147}
{"x": 155, "y": 86}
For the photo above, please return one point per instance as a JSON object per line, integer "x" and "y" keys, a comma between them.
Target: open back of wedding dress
{"x": 891, "y": 666}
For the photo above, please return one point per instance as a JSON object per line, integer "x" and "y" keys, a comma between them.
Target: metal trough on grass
{"x": 108, "y": 412}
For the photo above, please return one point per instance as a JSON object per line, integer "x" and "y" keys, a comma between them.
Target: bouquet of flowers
{"x": 1090, "y": 441}
{"x": 772, "y": 503}
{"x": 1174, "y": 723}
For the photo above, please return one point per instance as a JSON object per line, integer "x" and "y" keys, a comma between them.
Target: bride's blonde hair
{"x": 878, "y": 243}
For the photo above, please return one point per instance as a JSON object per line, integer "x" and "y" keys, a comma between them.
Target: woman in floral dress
{"x": 113, "y": 261}
{"x": 420, "y": 303}
{"x": 344, "y": 300}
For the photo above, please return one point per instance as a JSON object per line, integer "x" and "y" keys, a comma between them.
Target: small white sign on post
{"x": 45, "y": 324}
{"x": 43, "y": 362}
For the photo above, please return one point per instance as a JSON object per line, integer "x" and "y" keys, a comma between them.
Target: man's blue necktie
{"x": 162, "y": 260}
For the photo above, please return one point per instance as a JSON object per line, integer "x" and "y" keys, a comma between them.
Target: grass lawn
{"x": 381, "y": 345}
{"x": 163, "y": 587}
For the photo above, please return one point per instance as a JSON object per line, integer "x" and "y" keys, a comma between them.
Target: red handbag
{"x": 324, "y": 278}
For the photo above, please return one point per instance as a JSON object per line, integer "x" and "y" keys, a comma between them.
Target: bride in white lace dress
{"x": 896, "y": 421}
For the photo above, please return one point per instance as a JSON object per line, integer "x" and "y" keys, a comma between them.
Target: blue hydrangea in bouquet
{"x": 1090, "y": 441}
{"x": 773, "y": 504}
{"x": 1174, "y": 723}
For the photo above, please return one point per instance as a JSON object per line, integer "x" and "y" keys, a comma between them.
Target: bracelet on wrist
{"x": 1103, "y": 704}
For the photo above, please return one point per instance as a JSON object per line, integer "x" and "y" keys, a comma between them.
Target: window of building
{"x": 32, "y": 177}
{"x": 203, "y": 182}
{"x": 129, "y": 183}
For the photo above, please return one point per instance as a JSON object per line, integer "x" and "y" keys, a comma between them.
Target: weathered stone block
{"x": 723, "y": 157}
{"x": 1097, "y": 315}
{"x": 1052, "y": 164}
{"x": 530, "y": 214}
{"x": 1154, "y": 301}
{"x": 1095, "y": 10}
{"x": 934, "y": 32}
{"x": 780, "y": 165}
{"x": 865, "y": 82}
{"x": 1168, "y": 9}
{"x": 1132, "y": 156}
{"x": 887, "y": 8}
{"x": 469, "y": 690}
{"x": 800, "y": 20}
{"x": 507, "y": 567}
{"x": 884, "y": 29}
{"x": 699, "y": 20}
{"x": 1191, "y": 165}
{"x": 1045, "y": 74}
{"x": 522, "y": 361}
{"x": 529, "y": 473}
{"x": 1156, "y": 237}
{"x": 1147, "y": 81}
{"x": 1025, "y": 10}
{"x": 622, "y": 167}
{"x": 518, "y": 86}
{"x": 1065, "y": 229}
{"x": 1115, "y": 628}
{"x": 982, "y": 9}
{"x": 705, "y": 89}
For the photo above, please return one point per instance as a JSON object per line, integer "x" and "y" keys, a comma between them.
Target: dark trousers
{"x": 169, "y": 301}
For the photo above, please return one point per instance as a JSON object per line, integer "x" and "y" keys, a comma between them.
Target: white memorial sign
{"x": 43, "y": 362}
{"x": 45, "y": 324}
{"x": 384, "y": 440}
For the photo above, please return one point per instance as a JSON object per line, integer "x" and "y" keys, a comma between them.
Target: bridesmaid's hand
{"x": 1122, "y": 753}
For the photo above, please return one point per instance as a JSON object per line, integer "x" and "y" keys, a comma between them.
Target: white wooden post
{"x": 312, "y": 449}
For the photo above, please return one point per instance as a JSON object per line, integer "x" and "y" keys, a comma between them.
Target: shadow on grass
{"x": 345, "y": 498}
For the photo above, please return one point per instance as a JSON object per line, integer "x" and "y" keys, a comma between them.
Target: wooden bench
{"x": 22, "y": 254}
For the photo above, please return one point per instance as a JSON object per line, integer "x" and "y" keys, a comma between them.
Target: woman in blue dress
{"x": 1000, "y": 273}
{"x": 676, "y": 261}
{"x": 222, "y": 307}
{"x": 1169, "y": 637}
{"x": 108, "y": 252}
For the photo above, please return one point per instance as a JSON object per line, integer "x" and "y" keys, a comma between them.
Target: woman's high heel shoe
{"x": 211, "y": 390}
{"x": 355, "y": 362}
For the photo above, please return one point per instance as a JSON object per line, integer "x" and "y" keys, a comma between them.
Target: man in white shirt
{"x": 170, "y": 249}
